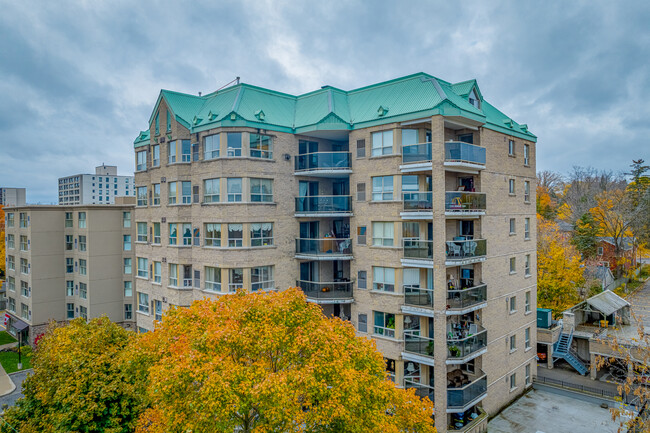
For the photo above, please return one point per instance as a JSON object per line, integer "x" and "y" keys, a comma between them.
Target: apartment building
{"x": 65, "y": 262}
{"x": 12, "y": 196}
{"x": 406, "y": 207}
{"x": 99, "y": 188}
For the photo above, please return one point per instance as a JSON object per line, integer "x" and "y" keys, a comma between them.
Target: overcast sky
{"x": 78, "y": 80}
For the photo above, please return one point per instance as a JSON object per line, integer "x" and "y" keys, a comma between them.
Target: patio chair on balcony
{"x": 454, "y": 249}
{"x": 469, "y": 248}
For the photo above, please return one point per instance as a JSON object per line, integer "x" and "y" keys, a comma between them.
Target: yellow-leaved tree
{"x": 559, "y": 269}
{"x": 270, "y": 363}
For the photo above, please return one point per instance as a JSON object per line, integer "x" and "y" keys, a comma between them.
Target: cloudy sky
{"x": 78, "y": 79}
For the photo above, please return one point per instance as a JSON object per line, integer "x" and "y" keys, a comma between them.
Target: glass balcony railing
{"x": 418, "y": 249}
{"x": 324, "y": 204}
{"x": 463, "y": 396}
{"x": 323, "y": 161}
{"x": 421, "y": 390}
{"x": 418, "y": 345}
{"x": 417, "y": 201}
{"x": 418, "y": 297}
{"x": 412, "y": 153}
{"x": 467, "y": 342}
{"x": 460, "y": 201}
{"x": 324, "y": 247}
{"x": 326, "y": 290}
{"x": 457, "y": 151}
{"x": 466, "y": 298}
{"x": 462, "y": 249}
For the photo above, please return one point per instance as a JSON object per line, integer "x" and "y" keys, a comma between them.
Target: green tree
{"x": 84, "y": 380}
{"x": 584, "y": 236}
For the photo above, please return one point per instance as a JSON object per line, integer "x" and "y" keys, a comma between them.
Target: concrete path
{"x": 640, "y": 301}
{"x": 17, "y": 378}
{"x": 564, "y": 372}
{"x": 7, "y": 386}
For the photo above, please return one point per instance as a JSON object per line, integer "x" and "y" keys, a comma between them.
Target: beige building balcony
{"x": 338, "y": 292}
{"x": 323, "y": 164}
{"x": 461, "y": 156}
{"x": 465, "y": 344}
{"x": 421, "y": 390}
{"x": 324, "y": 205}
{"x": 461, "y": 251}
{"x": 417, "y": 205}
{"x": 462, "y": 301}
{"x": 417, "y": 348}
{"x": 462, "y": 204}
{"x": 465, "y": 390}
{"x": 324, "y": 249}
{"x": 417, "y": 253}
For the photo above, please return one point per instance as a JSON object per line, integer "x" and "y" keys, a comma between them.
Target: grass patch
{"x": 6, "y": 338}
{"x": 9, "y": 359}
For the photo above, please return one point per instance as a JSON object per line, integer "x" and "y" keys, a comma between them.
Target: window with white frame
{"x": 513, "y": 226}
{"x": 69, "y": 288}
{"x": 11, "y": 284}
{"x": 83, "y": 267}
{"x": 513, "y": 265}
{"x": 142, "y": 160}
{"x": 126, "y": 242}
{"x": 127, "y": 266}
{"x": 186, "y": 230}
{"x": 211, "y": 189}
{"x": 156, "y": 233}
{"x": 10, "y": 219}
{"x": 24, "y": 266}
{"x": 527, "y": 191}
{"x": 68, "y": 220}
{"x": 527, "y": 228}
{"x": 23, "y": 220}
{"x": 69, "y": 265}
{"x": 11, "y": 263}
{"x": 527, "y": 304}
{"x": 527, "y": 265}
{"x": 143, "y": 303}
{"x": 11, "y": 241}
{"x": 128, "y": 289}
{"x": 157, "y": 272}
{"x": 212, "y": 279}
{"x": 383, "y": 234}
{"x": 262, "y": 278}
{"x": 158, "y": 309}
{"x": 12, "y": 305}
{"x": 155, "y": 155}
{"x": 236, "y": 279}
{"x": 233, "y": 140}
{"x": 155, "y": 188}
{"x": 527, "y": 374}
{"x": 382, "y": 188}
{"x": 261, "y": 146}
{"x": 186, "y": 192}
{"x": 171, "y": 152}
{"x": 24, "y": 289}
{"x": 143, "y": 267}
{"x": 128, "y": 311}
{"x": 24, "y": 243}
{"x": 382, "y": 143}
{"x": 211, "y": 147}
{"x": 234, "y": 185}
{"x": 24, "y": 311}
{"x": 141, "y": 194}
{"x": 83, "y": 291}
{"x": 527, "y": 338}
{"x": 173, "y": 234}
{"x": 261, "y": 190}
{"x": 82, "y": 220}
{"x": 126, "y": 220}
{"x": 511, "y": 147}
{"x": 68, "y": 242}
{"x": 212, "y": 235}
{"x": 513, "y": 381}
{"x": 511, "y": 187}
{"x": 384, "y": 324}
{"x": 513, "y": 304}
{"x": 383, "y": 279}
{"x": 173, "y": 275}
{"x": 235, "y": 235}
{"x": 172, "y": 193}
{"x": 261, "y": 234}
{"x": 142, "y": 232}
{"x": 513, "y": 343}
{"x": 526, "y": 154}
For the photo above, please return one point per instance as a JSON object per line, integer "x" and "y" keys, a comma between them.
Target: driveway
{"x": 640, "y": 301}
{"x": 17, "y": 378}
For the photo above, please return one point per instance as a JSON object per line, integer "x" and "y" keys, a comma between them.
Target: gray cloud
{"x": 78, "y": 79}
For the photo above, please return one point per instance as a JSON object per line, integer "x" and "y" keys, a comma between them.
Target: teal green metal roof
{"x": 410, "y": 97}
{"x": 143, "y": 139}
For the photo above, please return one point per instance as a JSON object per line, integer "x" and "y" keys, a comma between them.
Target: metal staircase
{"x": 562, "y": 350}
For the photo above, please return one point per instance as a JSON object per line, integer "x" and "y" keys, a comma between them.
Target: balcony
{"x": 418, "y": 349}
{"x": 464, "y": 157}
{"x": 417, "y": 153}
{"x": 461, "y": 204}
{"x": 417, "y": 205}
{"x": 461, "y": 397}
{"x": 463, "y": 251}
{"x": 339, "y": 292}
{"x": 421, "y": 390}
{"x": 463, "y": 301}
{"x": 323, "y": 164}
{"x": 324, "y": 205}
{"x": 323, "y": 249}
{"x": 465, "y": 345}
{"x": 471, "y": 421}
{"x": 418, "y": 301}
{"x": 417, "y": 253}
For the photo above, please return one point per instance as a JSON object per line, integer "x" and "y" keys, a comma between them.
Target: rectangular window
{"x": 83, "y": 269}
{"x": 142, "y": 232}
{"x": 126, "y": 220}
{"x": 24, "y": 311}
{"x": 212, "y": 279}
{"x": 261, "y": 234}
{"x": 384, "y": 324}
{"x": 155, "y": 188}
{"x": 156, "y": 233}
{"x": 527, "y": 306}
{"x": 69, "y": 288}
{"x": 527, "y": 266}
{"x": 127, "y": 266}
{"x": 141, "y": 193}
{"x": 527, "y": 374}
{"x": 143, "y": 267}
{"x": 186, "y": 229}
{"x": 383, "y": 234}
{"x": 128, "y": 311}
{"x": 83, "y": 291}
{"x": 212, "y": 235}
{"x": 512, "y": 226}
{"x": 141, "y": 160}
{"x": 186, "y": 192}
{"x": 173, "y": 275}
{"x": 11, "y": 263}
{"x": 24, "y": 289}
{"x": 513, "y": 265}
{"x": 69, "y": 265}
{"x": 511, "y": 187}
{"x": 262, "y": 278}
{"x": 600, "y": 251}
{"x": 261, "y": 146}
{"x": 513, "y": 381}
{"x": 127, "y": 242}
{"x": 23, "y": 243}
{"x": 172, "y": 193}
{"x": 211, "y": 147}
{"x": 361, "y": 148}
{"x": 171, "y": 152}
{"x": 362, "y": 279}
{"x": 82, "y": 220}
{"x": 511, "y": 147}
{"x": 169, "y": 121}
{"x": 143, "y": 303}
{"x": 362, "y": 325}
{"x": 382, "y": 143}
{"x": 10, "y": 219}
{"x": 527, "y": 191}
{"x": 527, "y": 338}
{"x": 155, "y": 155}
{"x": 24, "y": 266}
{"x": 513, "y": 304}
{"x": 157, "y": 124}
{"x": 383, "y": 279}
{"x": 382, "y": 188}
{"x": 23, "y": 220}
{"x": 158, "y": 309}
{"x": 68, "y": 242}
{"x": 69, "y": 311}
{"x": 12, "y": 305}
{"x": 261, "y": 190}
{"x": 526, "y": 154}
{"x": 11, "y": 241}
{"x": 234, "y": 189}
{"x": 527, "y": 228}
{"x": 234, "y": 144}
{"x": 211, "y": 189}
{"x": 513, "y": 343}
{"x": 11, "y": 284}
{"x": 157, "y": 272}
{"x": 173, "y": 234}
{"x": 361, "y": 191}
{"x": 236, "y": 279}
{"x": 361, "y": 235}
{"x": 235, "y": 235}
{"x": 128, "y": 289}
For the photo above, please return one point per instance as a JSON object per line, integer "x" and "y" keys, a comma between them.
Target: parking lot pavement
{"x": 17, "y": 378}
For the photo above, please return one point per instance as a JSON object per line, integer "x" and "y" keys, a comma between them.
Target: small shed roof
{"x": 607, "y": 302}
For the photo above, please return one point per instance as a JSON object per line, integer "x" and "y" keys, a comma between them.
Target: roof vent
{"x": 260, "y": 115}
{"x": 212, "y": 116}
{"x": 381, "y": 111}
{"x": 233, "y": 116}
{"x": 199, "y": 93}
{"x": 197, "y": 120}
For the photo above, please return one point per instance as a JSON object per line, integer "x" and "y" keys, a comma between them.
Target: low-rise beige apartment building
{"x": 406, "y": 207}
